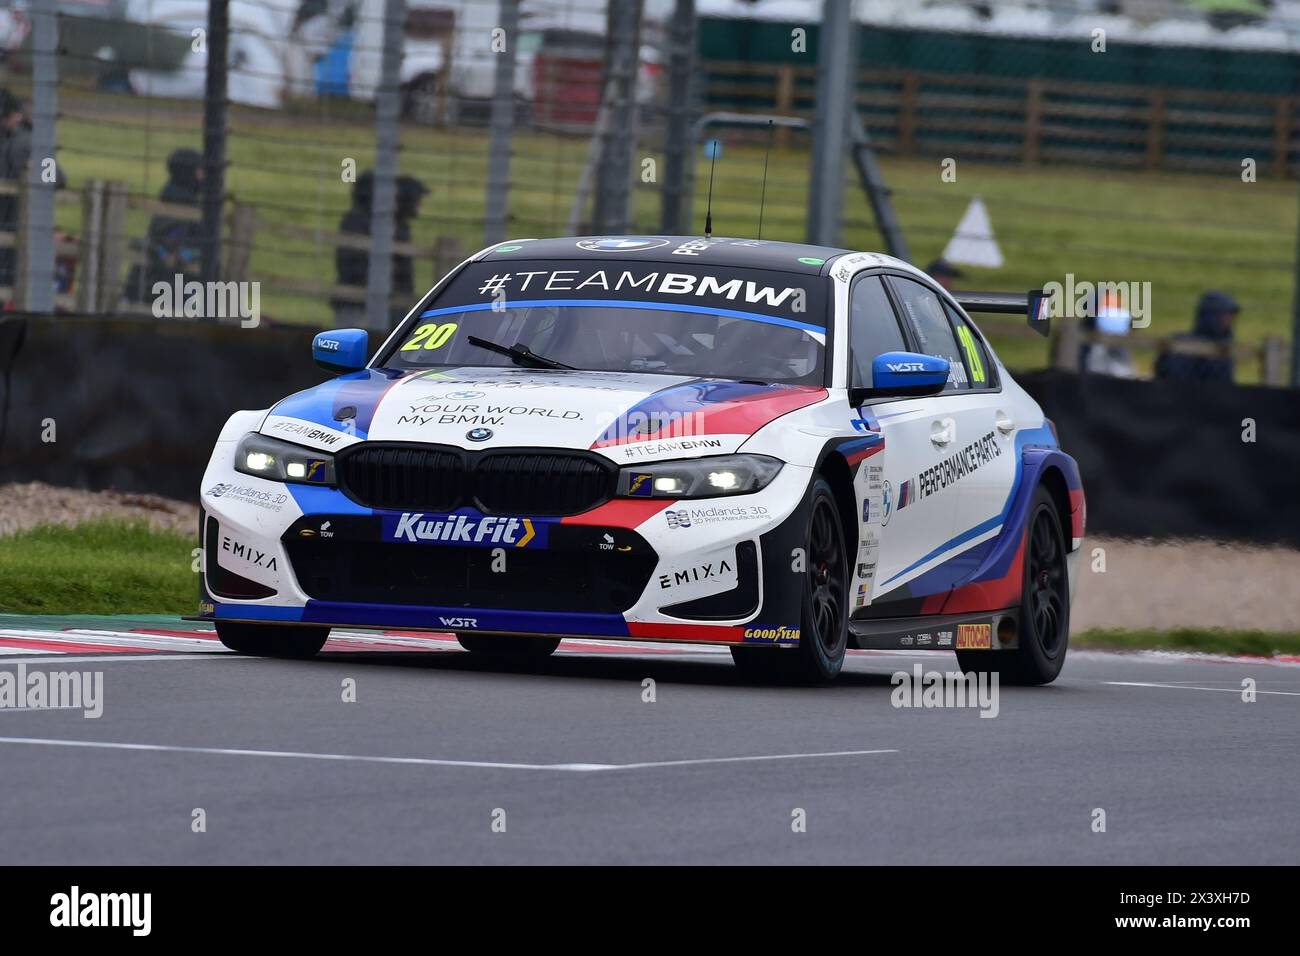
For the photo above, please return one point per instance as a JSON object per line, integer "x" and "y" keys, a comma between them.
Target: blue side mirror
{"x": 342, "y": 350}
{"x": 908, "y": 374}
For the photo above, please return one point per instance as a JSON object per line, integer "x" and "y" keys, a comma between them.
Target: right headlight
{"x": 277, "y": 460}
{"x": 698, "y": 477}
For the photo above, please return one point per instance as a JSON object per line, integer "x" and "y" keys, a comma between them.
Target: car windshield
{"x": 626, "y": 317}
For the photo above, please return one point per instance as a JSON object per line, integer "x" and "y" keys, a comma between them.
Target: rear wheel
{"x": 823, "y": 629}
{"x": 1044, "y": 634}
{"x": 499, "y": 645}
{"x": 273, "y": 640}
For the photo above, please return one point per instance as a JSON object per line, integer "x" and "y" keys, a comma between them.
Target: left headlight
{"x": 698, "y": 477}
{"x": 278, "y": 460}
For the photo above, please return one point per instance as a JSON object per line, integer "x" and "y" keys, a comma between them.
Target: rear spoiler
{"x": 1034, "y": 305}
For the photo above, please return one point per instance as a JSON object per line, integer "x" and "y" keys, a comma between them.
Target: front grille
{"x": 550, "y": 484}
{"x": 400, "y": 477}
{"x": 586, "y": 580}
{"x": 405, "y": 478}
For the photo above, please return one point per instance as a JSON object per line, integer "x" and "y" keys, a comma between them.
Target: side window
{"x": 934, "y": 334}
{"x": 873, "y": 328}
{"x": 979, "y": 364}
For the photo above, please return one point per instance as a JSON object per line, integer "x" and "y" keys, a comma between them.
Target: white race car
{"x": 787, "y": 449}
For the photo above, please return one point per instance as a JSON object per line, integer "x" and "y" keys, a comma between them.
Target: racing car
{"x": 786, "y": 449}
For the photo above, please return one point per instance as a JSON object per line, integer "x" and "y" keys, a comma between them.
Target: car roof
{"x": 767, "y": 254}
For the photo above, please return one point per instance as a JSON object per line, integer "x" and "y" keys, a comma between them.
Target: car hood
{"x": 482, "y": 407}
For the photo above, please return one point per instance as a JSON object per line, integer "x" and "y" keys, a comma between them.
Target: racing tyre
{"x": 271, "y": 640}
{"x": 517, "y": 648}
{"x": 1044, "y": 606}
{"x": 824, "y": 625}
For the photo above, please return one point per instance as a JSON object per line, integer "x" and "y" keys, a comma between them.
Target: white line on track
{"x": 426, "y": 761}
{"x": 1221, "y": 690}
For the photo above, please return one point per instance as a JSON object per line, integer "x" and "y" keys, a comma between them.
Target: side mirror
{"x": 903, "y": 375}
{"x": 342, "y": 350}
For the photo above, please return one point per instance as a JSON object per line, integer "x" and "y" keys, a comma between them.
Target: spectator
{"x": 944, "y": 272}
{"x": 1215, "y": 314}
{"x": 173, "y": 246}
{"x": 15, "y": 151}
{"x": 353, "y": 265}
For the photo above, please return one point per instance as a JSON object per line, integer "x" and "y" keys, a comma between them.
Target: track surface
{"x": 587, "y": 772}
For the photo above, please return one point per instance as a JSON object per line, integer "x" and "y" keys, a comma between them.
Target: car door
{"x": 900, "y": 532}
{"x": 990, "y": 467}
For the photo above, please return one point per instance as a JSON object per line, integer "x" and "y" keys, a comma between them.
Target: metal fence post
{"x": 674, "y": 217}
{"x": 1272, "y": 355}
{"x": 112, "y": 247}
{"x": 243, "y": 226}
{"x": 622, "y": 55}
{"x": 38, "y": 213}
{"x": 835, "y": 57}
{"x": 214, "y": 137}
{"x": 503, "y": 120}
{"x": 92, "y": 222}
{"x": 878, "y": 194}
{"x": 388, "y": 104}
{"x": 1295, "y": 316}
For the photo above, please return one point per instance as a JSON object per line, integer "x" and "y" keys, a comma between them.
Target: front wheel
{"x": 1044, "y": 606}
{"x": 823, "y": 629}
{"x": 273, "y": 640}
{"x": 498, "y": 645}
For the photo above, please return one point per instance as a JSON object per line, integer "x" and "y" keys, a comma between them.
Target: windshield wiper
{"x": 519, "y": 354}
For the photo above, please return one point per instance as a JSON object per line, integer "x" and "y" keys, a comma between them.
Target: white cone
{"x": 973, "y": 244}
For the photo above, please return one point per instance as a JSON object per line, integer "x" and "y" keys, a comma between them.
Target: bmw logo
{"x": 620, "y": 245}
{"x": 887, "y": 503}
{"x": 464, "y": 395}
{"x": 479, "y": 434}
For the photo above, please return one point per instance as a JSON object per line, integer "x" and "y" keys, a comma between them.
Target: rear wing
{"x": 1034, "y": 305}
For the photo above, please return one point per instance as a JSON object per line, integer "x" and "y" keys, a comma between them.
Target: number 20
{"x": 431, "y": 336}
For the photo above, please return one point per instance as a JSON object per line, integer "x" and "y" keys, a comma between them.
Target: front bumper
{"x": 704, "y": 571}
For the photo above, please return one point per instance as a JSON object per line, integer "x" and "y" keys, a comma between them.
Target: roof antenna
{"x": 714, "y": 148}
{"x": 763, "y": 198}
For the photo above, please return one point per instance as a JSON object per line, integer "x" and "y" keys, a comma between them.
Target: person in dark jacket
{"x": 173, "y": 246}
{"x": 15, "y": 151}
{"x": 353, "y": 265}
{"x": 1215, "y": 314}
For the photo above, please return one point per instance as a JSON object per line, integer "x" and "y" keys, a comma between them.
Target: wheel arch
{"x": 839, "y": 476}
{"x": 1053, "y": 480}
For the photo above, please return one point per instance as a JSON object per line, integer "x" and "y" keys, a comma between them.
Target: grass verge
{"x": 1206, "y": 641}
{"x": 100, "y": 567}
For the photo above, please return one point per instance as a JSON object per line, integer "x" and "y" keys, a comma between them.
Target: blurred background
{"x": 1024, "y": 141}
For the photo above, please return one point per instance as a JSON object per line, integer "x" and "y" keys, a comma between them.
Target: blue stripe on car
{"x": 528, "y": 622}
{"x": 321, "y": 500}
{"x": 323, "y": 403}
